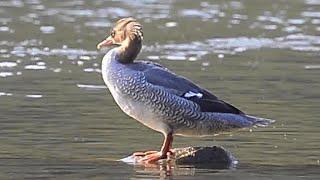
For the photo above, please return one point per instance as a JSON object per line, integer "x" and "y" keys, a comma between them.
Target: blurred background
{"x": 58, "y": 120}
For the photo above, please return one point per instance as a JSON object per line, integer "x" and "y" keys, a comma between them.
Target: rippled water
{"x": 58, "y": 120}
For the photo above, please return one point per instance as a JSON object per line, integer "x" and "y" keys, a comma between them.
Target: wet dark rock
{"x": 213, "y": 156}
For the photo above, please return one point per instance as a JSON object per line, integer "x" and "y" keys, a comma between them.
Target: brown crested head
{"x": 127, "y": 33}
{"x": 127, "y": 28}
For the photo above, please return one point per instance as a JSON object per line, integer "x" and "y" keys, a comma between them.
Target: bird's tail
{"x": 259, "y": 122}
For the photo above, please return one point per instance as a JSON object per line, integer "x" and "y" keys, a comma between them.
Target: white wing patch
{"x": 193, "y": 94}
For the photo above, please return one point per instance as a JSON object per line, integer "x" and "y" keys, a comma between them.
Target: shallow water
{"x": 59, "y": 121}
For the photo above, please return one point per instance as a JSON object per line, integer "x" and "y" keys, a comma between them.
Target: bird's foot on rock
{"x": 151, "y": 156}
{"x": 142, "y": 154}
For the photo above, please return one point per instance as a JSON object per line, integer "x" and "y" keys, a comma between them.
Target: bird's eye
{"x": 113, "y": 33}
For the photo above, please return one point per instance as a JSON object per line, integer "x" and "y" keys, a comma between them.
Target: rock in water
{"x": 211, "y": 157}
{"x": 205, "y": 157}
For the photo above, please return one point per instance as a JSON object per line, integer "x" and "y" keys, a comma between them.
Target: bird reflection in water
{"x": 171, "y": 169}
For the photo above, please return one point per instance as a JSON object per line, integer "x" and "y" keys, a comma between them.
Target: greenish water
{"x": 57, "y": 120}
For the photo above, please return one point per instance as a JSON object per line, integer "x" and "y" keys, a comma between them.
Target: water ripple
{"x": 34, "y": 96}
{"x": 12, "y": 3}
{"x": 23, "y": 51}
{"x": 311, "y": 67}
{"x": 5, "y": 94}
{"x": 47, "y": 29}
{"x": 195, "y": 13}
{"x": 7, "y": 64}
{"x": 220, "y": 46}
{"x": 315, "y": 14}
{"x": 5, "y": 74}
{"x": 35, "y": 67}
{"x": 91, "y": 86}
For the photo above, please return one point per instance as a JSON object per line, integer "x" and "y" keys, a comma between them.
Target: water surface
{"x": 59, "y": 121}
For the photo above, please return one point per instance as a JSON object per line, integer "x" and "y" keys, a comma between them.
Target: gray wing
{"x": 160, "y": 76}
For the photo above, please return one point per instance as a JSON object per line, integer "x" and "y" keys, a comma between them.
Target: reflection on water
{"x": 166, "y": 170}
{"x": 202, "y": 172}
{"x": 59, "y": 120}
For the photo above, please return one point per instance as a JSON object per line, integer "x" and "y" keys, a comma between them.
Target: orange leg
{"x": 154, "y": 156}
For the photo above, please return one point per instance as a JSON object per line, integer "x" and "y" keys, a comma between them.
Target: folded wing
{"x": 160, "y": 76}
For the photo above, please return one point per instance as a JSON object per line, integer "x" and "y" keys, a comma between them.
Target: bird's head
{"x": 127, "y": 33}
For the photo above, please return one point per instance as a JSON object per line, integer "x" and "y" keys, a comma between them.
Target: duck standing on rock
{"x": 160, "y": 99}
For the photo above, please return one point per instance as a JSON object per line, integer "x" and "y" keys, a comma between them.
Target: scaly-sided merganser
{"x": 160, "y": 99}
